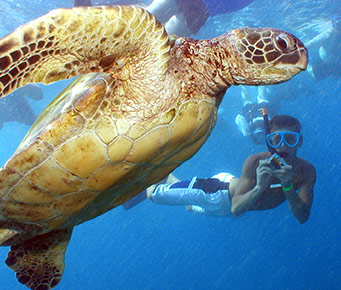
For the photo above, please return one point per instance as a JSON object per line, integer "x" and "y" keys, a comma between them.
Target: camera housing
{"x": 276, "y": 162}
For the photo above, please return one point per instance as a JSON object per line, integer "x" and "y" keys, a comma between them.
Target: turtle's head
{"x": 262, "y": 56}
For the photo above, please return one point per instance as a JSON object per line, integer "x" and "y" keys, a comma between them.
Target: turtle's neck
{"x": 198, "y": 65}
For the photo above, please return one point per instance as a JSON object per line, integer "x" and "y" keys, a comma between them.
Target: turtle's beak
{"x": 303, "y": 60}
{"x": 301, "y": 64}
{"x": 295, "y": 70}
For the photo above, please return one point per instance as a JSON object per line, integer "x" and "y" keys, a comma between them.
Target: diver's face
{"x": 285, "y": 151}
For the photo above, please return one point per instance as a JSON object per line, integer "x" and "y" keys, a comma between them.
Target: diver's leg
{"x": 163, "y": 10}
{"x": 248, "y": 95}
{"x": 262, "y": 95}
{"x": 176, "y": 25}
{"x": 185, "y": 193}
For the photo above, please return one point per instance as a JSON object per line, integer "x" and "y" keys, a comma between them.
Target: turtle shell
{"x": 84, "y": 155}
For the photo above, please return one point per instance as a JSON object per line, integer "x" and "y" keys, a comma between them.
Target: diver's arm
{"x": 243, "y": 202}
{"x": 299, "y": 208}
{"x": 300, "y": 204}
{"x": 247, "y": 192}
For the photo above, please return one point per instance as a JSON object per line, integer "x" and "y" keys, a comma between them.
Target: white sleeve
{"x": 224, "y": 176}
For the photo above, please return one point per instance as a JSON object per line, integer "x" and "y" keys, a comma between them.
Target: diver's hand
{"x": 264, "y": 173}
{"x": 285, "y": 175}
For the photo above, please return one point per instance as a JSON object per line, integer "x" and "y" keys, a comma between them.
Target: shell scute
{"x": 54, "y": 179}
{"x": 123, "y": 126}
{"x": 119, "y": 149}
{"x": 82, "y": 155}
{"x": 168, "y": 116}
{"x": 108, "y": 176}
{"x": 74, "y": 202}
{"x": 106, "y": 130}
{"x": 30, "y": 156}
{"x": 206, "y": 122}
{"x": 136, "y": 132}
{"x": 90, "y": 100}
{"x": 71, "y": 124}
{"x": 27, "y": 192}
{"x": 23, "y": 212}
{"x": 185, "y": 152}
{"x": 185, "y": 123}
{"x": 149, "y": 144}
{"x": 8, "y": 178}
{"x": 64, "y": 117}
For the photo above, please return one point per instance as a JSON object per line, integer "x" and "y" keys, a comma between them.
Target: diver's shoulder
{"x": 260, "y": 156}
{"x": 254, "y": 158}
{"x": 306, "y": 166}
{"x": 303, "y": 162}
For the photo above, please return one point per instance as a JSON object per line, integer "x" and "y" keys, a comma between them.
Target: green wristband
{"x": 290, "y": 187}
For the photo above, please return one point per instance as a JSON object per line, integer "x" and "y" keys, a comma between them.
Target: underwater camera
{"x": 276, "y": 162}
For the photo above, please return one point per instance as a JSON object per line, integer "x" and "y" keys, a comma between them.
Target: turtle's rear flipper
{"x": 39, "y": 262}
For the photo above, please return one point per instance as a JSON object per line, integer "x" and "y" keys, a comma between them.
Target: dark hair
{"x": 285, "y": 121}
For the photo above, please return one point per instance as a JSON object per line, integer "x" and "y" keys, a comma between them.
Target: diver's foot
{"x": 150, "y": 190}
{"x": 189, "y": 207}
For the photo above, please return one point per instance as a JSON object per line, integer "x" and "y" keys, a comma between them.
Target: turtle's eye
{"x": 284, "y": 42}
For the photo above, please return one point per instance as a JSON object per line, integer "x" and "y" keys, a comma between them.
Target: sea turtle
{"x": 145, "y": 102}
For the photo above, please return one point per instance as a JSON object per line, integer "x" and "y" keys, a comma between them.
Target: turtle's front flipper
{"x": 39, "y": 262}
{"x": 69, "y": 42}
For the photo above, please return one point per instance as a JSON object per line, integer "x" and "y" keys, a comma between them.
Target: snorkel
{"x": 267, "y": 129}
{"x": 275, "y": 161}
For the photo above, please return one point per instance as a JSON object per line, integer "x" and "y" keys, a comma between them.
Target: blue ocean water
{"x": 158, "y": 247}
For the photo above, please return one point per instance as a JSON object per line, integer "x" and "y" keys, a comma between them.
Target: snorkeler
{"x": 81, "y": 3}
{"x": 250, "y": 120}
{"x": 116, "y": 2}
{"x": 181, "y": 17}
{"x": 184, "y": 18}
{"x": 267, "y": 180}
{"x": 325, "y": 48}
